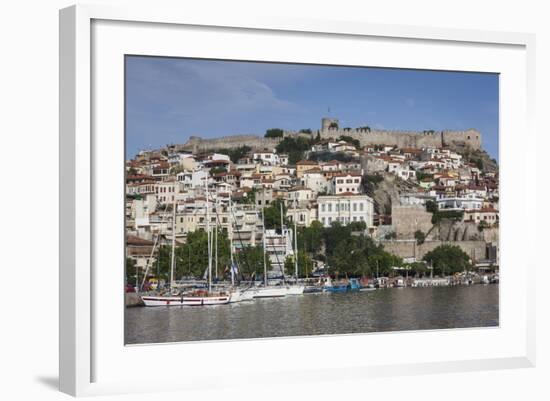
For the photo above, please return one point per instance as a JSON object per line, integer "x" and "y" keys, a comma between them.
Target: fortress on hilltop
{"x": 330, "y": 129}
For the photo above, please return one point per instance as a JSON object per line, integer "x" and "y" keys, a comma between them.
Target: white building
{"x": 268, "y": 158}
{"x": 315, "y": 180}
{"x": 166, "y": 190}
{"x": 344, "y": 183}
{"x": 467, "y": 202}
{"x": 278, "y": 246}
{"x": 345, "y": 208}
{"x": 304, "y": 216}
{"x": 300, "y": 196}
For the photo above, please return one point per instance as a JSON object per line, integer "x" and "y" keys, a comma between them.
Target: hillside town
{"x": 407, "y": 200}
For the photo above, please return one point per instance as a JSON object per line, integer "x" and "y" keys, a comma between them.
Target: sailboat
{"x": 237, "y": 294}
{"x": 198, "y": 297}
{"x": 295, "y": 289}
{"x": 268, "y": 291}
{"x": 171, "y": 297}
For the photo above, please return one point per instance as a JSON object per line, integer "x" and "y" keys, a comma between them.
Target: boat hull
{"x": 185, "y": 301}
{"x": 241, "y": 295}
{"x": 336, "y": 289}
{"x": 276, "y": 292}
{"x": 295, "y": 290}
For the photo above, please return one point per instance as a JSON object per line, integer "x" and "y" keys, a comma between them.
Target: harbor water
{"x": 393, "y": 309}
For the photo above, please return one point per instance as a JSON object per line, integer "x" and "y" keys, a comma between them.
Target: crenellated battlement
{"x": 414, "y": 139}
{"x": 330, "y": 129}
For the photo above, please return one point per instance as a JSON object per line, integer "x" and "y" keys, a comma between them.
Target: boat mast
{"x": 295, "y": 245}
{"x": 231, "y": 239}
{"x": 263, "y": 246}
{"x": 208, "y": 238}
{"x": 283, "y": 238}
{"x": 173, "y": 260}
{"x": 216, "y": 242}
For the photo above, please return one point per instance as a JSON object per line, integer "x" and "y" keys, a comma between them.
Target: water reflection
{"x": 361, "y": 312}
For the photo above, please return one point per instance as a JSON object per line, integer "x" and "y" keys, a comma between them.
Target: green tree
{"x": 420, "y": 237}
{"x": 311, "y": 238}
{"x": 304, "y": 265}
{"x": 431, "y": 206}
{"x": 274, "y": 133}
{"x": 130, "y": 271}
{"x": 295, "y": 147}
{"x": 349, "y": 139}
{"x": 482, "y": 225}
{"x": 439, "y": 215}
{"x": 251, "y": 261}
{"x": 272, "y": 214}
{"x": 448, "y": 259}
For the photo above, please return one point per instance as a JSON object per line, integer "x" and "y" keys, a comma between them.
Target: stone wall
{"x": 198, "y": 144}
{"x": 407, "y": 139}
{"x": 401, "y": 139}
{"x": 408, "y": 249}
{"x": 407, "y": 219}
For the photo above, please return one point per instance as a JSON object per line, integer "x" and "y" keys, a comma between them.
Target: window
{"x": 361, "y": 207}
{"x": 323, "y": 220}
{"x": 330, "y": 207}
{"x": 329, "y": 220}
{"x": 355, "y": 207}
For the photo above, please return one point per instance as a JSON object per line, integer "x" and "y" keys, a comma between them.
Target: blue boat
{"x": 354, "y": 284}
{"x": 329, "y": 286}
{"x": 336, "y": 288}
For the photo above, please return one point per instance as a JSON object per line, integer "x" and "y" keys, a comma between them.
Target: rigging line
{"x": 153, "y": 250}
{"x": 277, "y": 257}
{"x": 241, "y": 242}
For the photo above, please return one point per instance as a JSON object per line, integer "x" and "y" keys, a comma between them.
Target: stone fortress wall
{"x": 330, "y": 129}
{"x": 197, "y": 144}
{"x": 403, "y": 139}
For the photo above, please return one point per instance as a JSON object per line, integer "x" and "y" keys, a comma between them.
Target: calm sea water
{"x": 394, "y": 309}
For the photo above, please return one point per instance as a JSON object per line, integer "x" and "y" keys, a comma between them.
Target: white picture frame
{"x": 85, "y": 355}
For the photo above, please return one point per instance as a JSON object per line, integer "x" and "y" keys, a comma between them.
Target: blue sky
{"x": 170, "y": 99}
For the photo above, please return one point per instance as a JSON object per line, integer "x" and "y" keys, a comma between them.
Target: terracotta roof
{"x": 132, "y": 240}
{"x": 352, "y": 174}
{"x": 313, "y": 170}
{"x": 306, "y": 163}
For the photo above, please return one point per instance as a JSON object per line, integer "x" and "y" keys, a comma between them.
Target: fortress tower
{"x": 329, "y": 123}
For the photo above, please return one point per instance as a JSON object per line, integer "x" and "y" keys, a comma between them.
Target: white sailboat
{"x": 268, "y": 291}
{"x": 199, "y": 297}
{"x": 295, "y": 289}
{"x": 170, "y": 299}
{"x": 237, "y": 294}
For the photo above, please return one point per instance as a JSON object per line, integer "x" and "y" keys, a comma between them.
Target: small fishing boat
{"x": 354, "y": 284}
{"x": 331, "y": 287}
